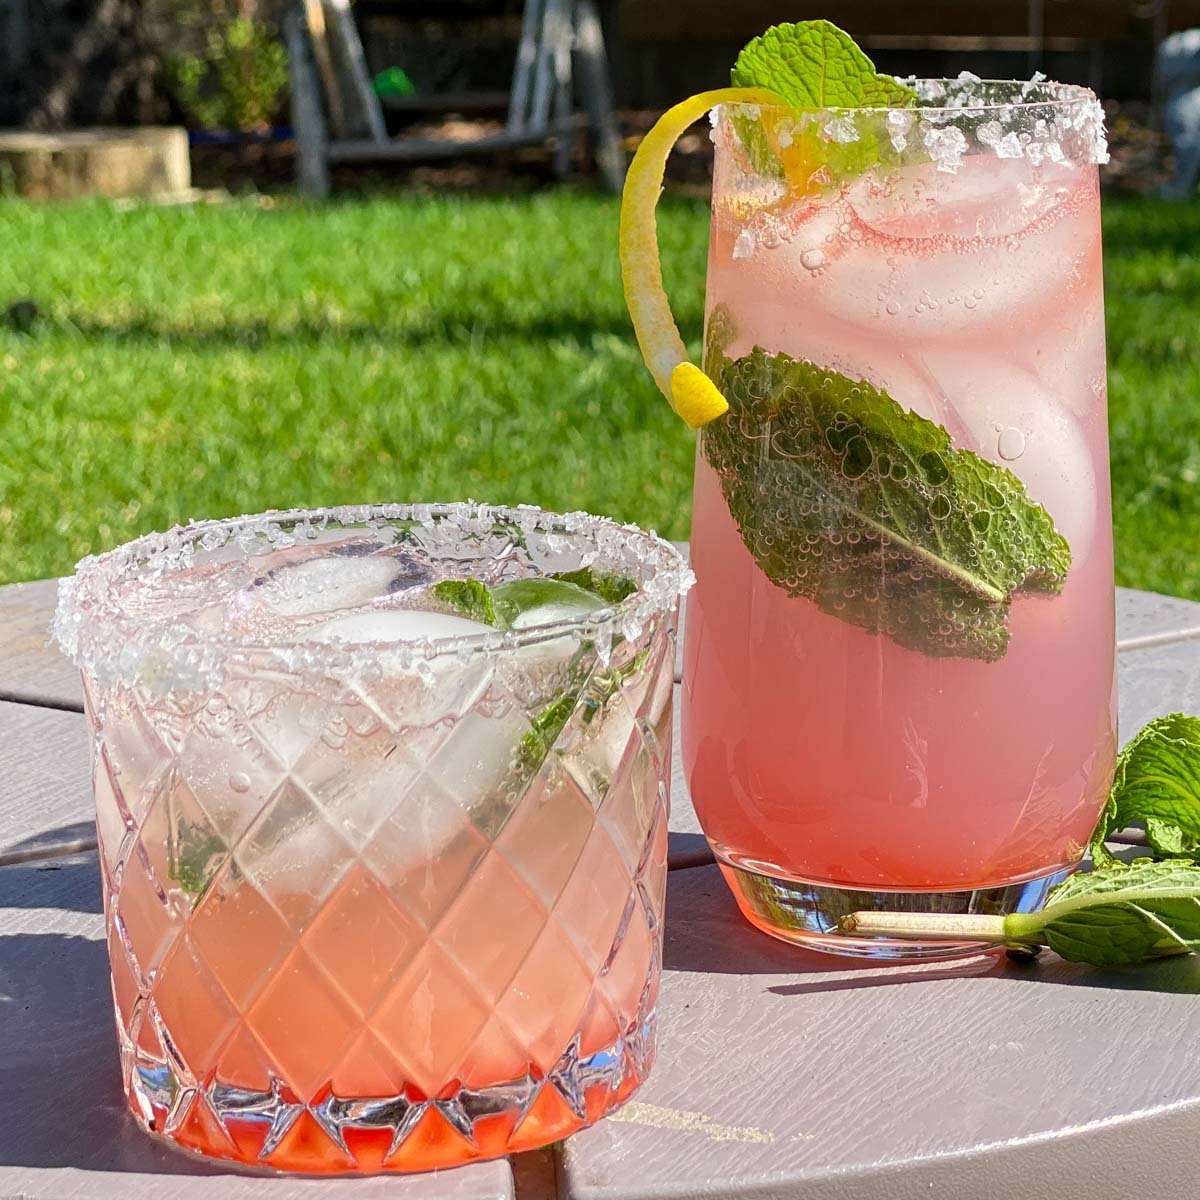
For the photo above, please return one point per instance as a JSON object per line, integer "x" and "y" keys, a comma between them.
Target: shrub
{"x": 237, "y": 81}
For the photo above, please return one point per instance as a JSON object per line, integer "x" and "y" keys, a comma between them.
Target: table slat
{"x": 1149, "y": 618}
{"x": 30, "y": 669}
{"x": 45, "y": 782}
{"x": 1157, "y": 680}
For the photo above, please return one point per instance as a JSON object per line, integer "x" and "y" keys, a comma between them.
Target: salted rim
{"x": 1063, "y": 96}
{"x": 98, "y": 636}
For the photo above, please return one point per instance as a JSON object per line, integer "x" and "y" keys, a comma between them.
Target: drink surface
{"x": 820, "y": 750}
{"x": 396, "y": 924}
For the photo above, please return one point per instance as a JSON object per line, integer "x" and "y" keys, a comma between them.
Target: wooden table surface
{"x": 781, "y": 1075}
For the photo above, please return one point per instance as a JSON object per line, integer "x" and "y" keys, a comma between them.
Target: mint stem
{"x": 937, "y": 927}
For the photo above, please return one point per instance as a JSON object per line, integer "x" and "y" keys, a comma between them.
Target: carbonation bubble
{"x": 239, "y": 781}
{"x": 859, "y": 457}
{"x": 1010, "y": 444}
{"x": 812, "y": 260}
{"x": 934, "y": 467}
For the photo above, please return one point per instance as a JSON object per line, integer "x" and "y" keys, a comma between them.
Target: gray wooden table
{"x": 782, "y": 1075}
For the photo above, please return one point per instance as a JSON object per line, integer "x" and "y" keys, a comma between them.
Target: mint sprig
{"x": 849, "y": 500}
{"x": 503, "y": 603}
{"x": 1111, "y": 918}
{"x": 1157, "y": 786}
{"x": 1124, "y": 915}
{"x": 814, "y": 64}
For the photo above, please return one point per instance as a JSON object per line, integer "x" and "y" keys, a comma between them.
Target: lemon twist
{"x": 691, "y": 393}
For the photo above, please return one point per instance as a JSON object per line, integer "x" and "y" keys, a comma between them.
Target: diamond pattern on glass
{"x": 489, "y": 938}
{"x": 359, "y": 936}
{"x": 335, "y": 947}
{"x": 303, "y": 1021}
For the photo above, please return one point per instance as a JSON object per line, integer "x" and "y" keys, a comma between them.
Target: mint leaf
{"x": 545, "y": 728}
{"x": 1118, "y": 916}
{"x": 592, "y": 700}
{"x": 814, "y": 64}
{"x": 190, "y": 858}
{"x": 570, "y": 594}
{"x": 1157, "y": 785}
{"x": 612, "y": 589}
{"x": 469, "y": 597}
{"x": 848, "y": 500}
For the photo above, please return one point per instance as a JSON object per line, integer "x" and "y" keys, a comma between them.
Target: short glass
{"x": 377, "y": 904}
{"x": 898, "y": 682}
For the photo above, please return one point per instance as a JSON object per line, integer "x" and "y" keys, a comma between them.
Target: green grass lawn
{"x": 206, "y": 361}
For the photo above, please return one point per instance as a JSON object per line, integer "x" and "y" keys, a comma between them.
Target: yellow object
{"x": 691, "y": 393}
{"x": 694, "y": 396}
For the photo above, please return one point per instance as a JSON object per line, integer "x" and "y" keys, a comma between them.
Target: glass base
{"x": 335, "y": 1134}
{"x": 807, "y": 913}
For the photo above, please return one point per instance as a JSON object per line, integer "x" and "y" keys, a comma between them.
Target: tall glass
{"x": 898, "y": 682}
{"x": 383, "y": 886}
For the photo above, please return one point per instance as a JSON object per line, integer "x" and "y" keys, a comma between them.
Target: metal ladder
{"x": 338, "y": 118}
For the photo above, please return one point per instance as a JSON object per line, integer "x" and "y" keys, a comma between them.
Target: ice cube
{"x": 915, "y": 256}
{"x": 328, "y": 583}
{"x": 480, "y": 762}
{"x": 525, "y": 603}
{"x": 393, "y": 625}
{"x": 431, "y": 691}
{"x": 995, "y": 244}
{"x": 1013, "y": 420}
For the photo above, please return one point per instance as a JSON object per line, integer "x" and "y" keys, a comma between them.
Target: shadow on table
{"x": 687, "y": 850}
{"x": 71, "y": 883}
{"x": 76, "y": 838}
{"x": 60, "y": 1098}
{"x": 1179, "y": 975}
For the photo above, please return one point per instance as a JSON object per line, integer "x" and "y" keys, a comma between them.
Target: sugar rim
{"x": 92, "y": 629}
{"x": 1062, "y": 96}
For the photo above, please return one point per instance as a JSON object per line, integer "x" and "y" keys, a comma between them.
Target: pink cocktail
{"x": 382, "y": 813}
{"x": 898, "y": 683}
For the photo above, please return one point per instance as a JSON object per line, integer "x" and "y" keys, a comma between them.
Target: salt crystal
{"x": 1031, "y": 86}
{"x": 946, "y": 147}
{"x": 990, "y": 133}
{"x": 899, "y": 122}
{"x": 841, "y": 128}
{"x": 1009, "y": 146}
